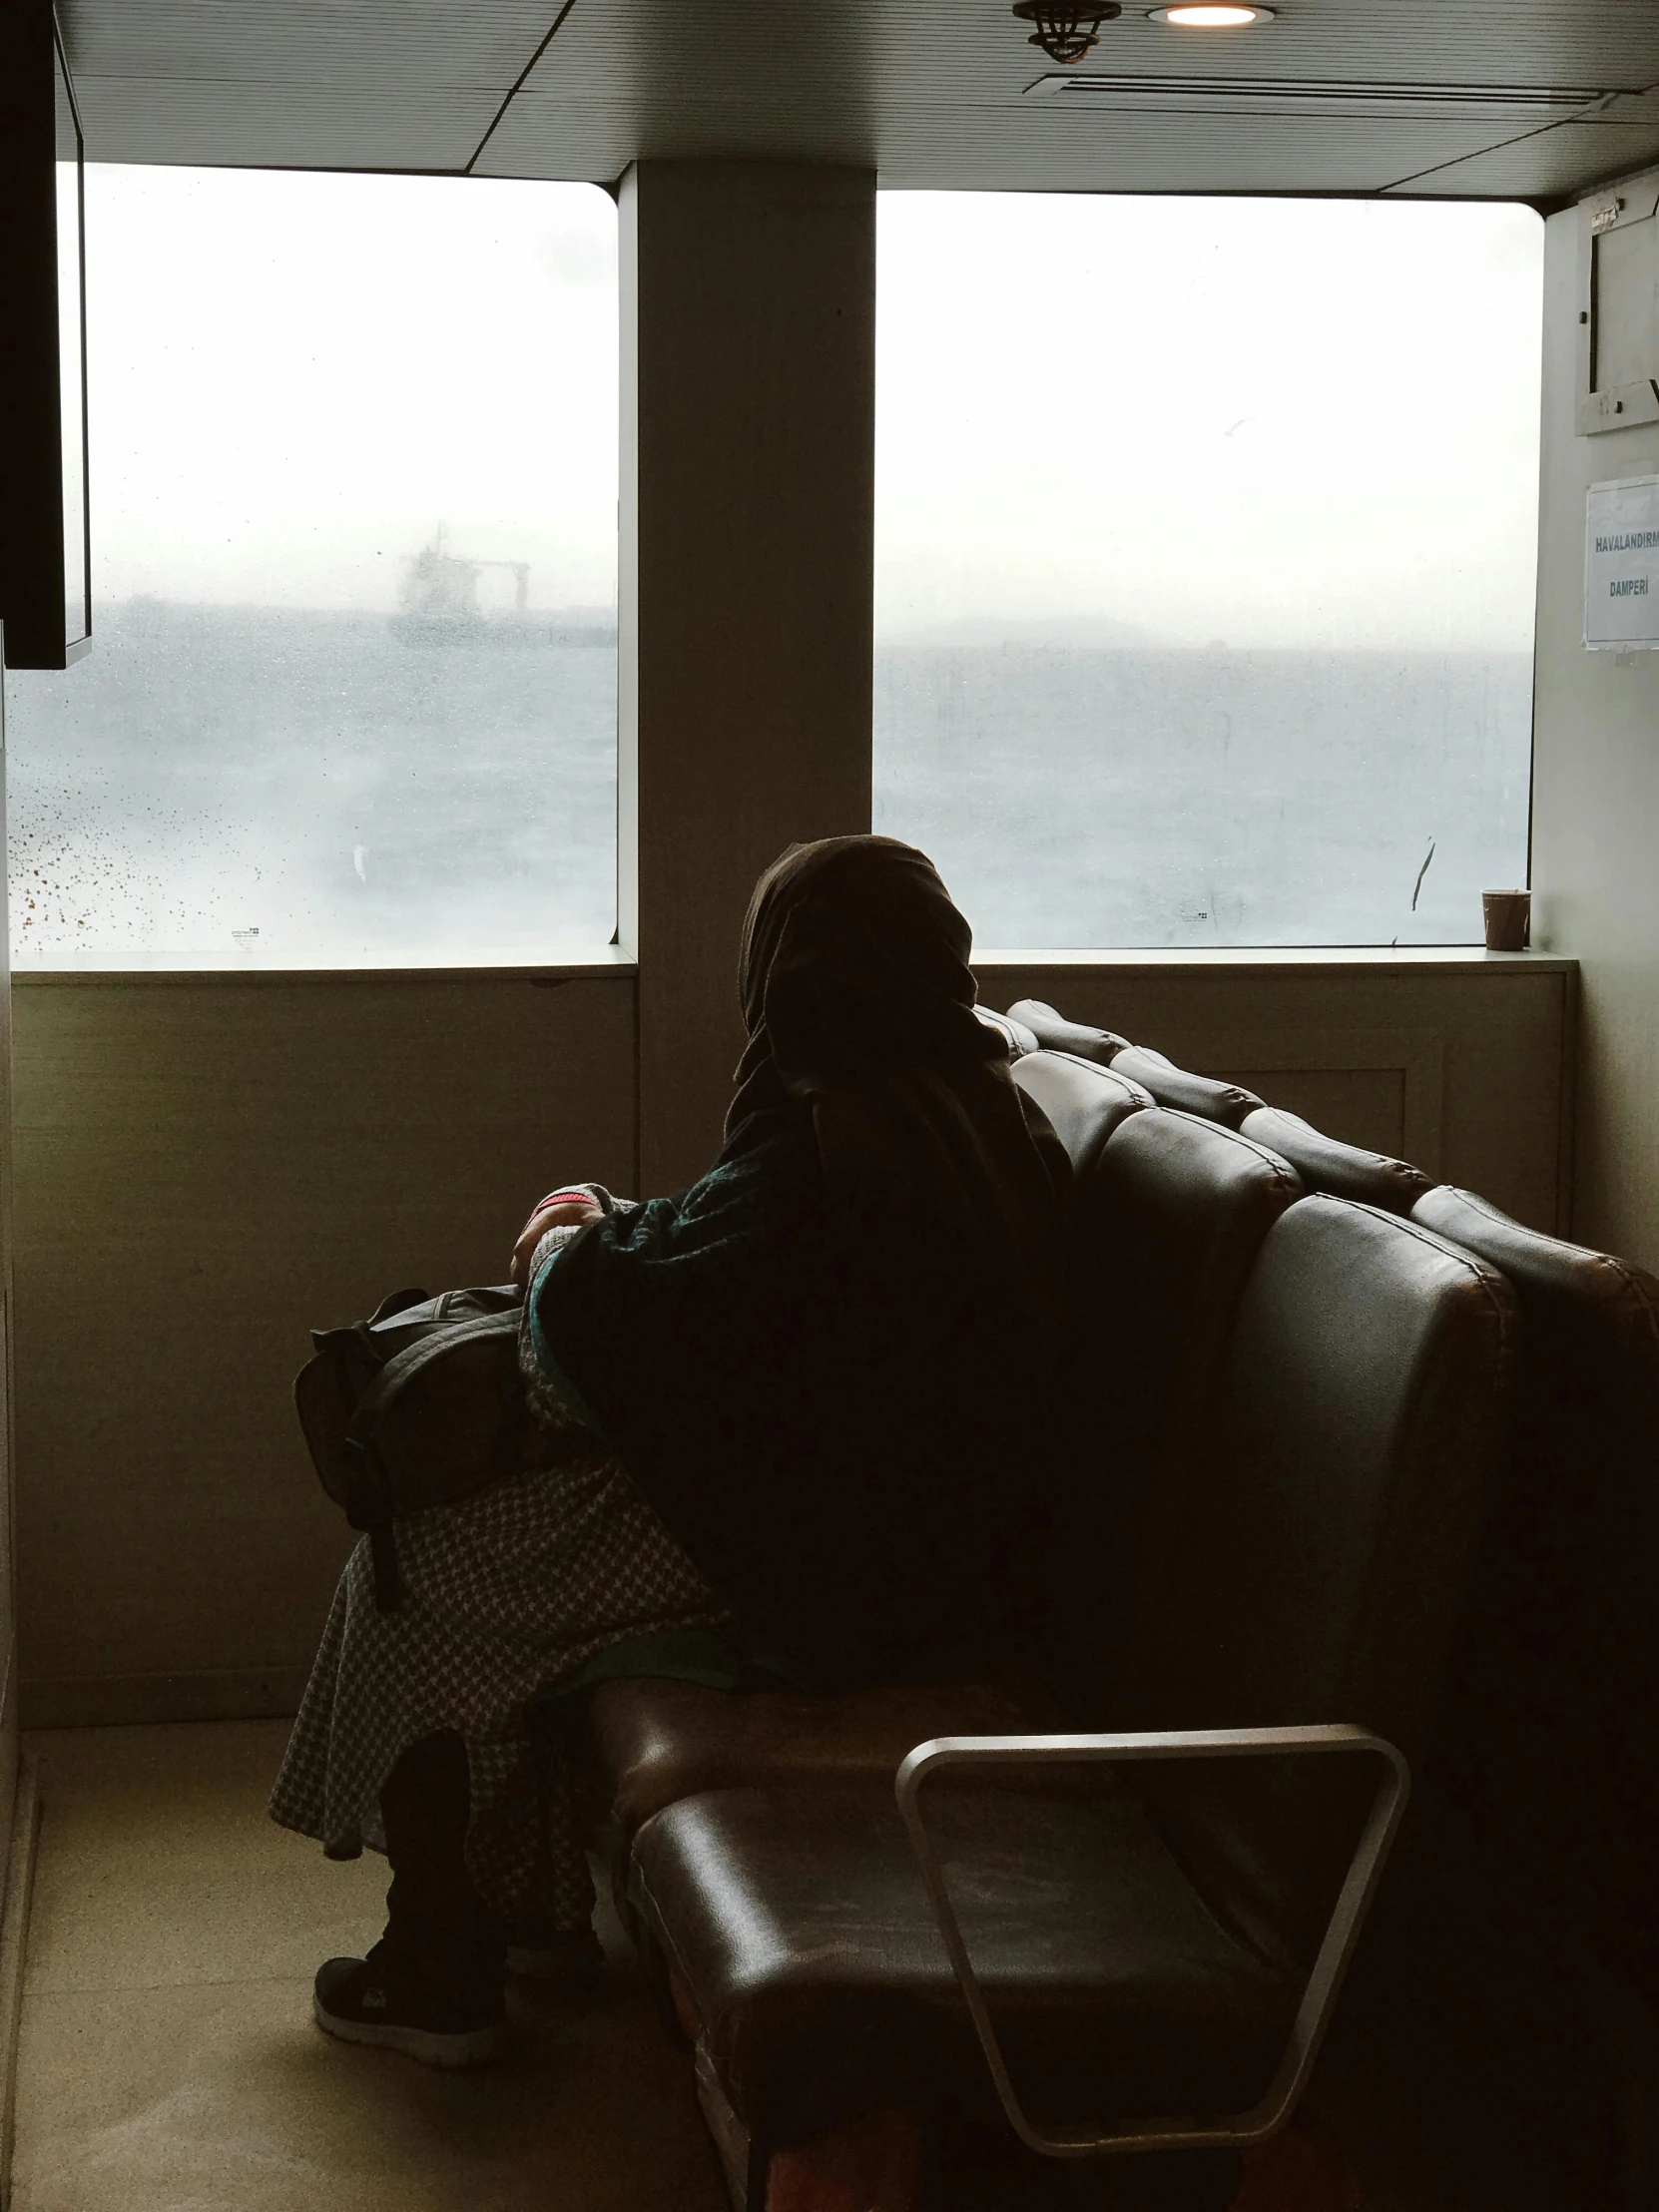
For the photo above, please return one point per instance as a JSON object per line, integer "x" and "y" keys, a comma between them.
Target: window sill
{"x": 1456, "y": 959}
{"x": 478, "y": 964}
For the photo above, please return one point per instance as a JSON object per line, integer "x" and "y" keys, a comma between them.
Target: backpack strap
{"x": 358, "y": 1444}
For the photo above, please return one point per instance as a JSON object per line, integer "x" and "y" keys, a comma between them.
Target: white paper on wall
{"x": 1621, "y": 564}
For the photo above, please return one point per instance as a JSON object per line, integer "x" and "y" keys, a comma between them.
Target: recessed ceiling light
{"x": 1212, "y": 15}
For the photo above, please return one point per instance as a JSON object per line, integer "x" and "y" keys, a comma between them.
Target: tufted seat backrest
{"x": 1341, "y": 1473}
{"x": 1084, "y": 1103}
{"x": 1055, "y": 1034}
{"x": 1185, "y": 1092}
{"x": 1169, "y": 1226}
{"x": 1341, "y": 1169}
{"x": 1020, "y": 1039}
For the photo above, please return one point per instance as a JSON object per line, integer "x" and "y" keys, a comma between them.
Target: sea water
{"x": 293, "y": 787}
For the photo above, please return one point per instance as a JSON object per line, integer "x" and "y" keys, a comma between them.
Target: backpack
{"x": 418, "y": 1405}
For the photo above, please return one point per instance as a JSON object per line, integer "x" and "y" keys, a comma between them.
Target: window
{"x": 1204, "y": 547}
{"x": 353, "y": 689}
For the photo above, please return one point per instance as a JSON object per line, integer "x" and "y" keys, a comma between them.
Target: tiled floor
{"x": 169, "y": 2058}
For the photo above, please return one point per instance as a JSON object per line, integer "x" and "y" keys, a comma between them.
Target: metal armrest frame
{"x": 1336, "y": 1946}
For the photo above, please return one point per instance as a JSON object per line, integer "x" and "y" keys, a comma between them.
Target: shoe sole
{"x": 475, "y": 2048}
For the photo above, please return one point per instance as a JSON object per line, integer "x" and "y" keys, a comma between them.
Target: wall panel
{"x": 210, "y": 1166}
{"x": 207, "y": 1168}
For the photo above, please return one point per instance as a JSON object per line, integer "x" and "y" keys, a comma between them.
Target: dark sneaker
{"x": 542, "y": 1952}
{"x": 378, "y": 2001}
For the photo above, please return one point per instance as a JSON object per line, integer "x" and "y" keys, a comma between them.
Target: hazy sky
{"x": 293, "y": 378}
{"x": 1264, "y": 422}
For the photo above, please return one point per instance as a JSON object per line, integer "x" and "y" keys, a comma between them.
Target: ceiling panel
{"x": 245, "y": 126}
{"x": 934, "y": 92}
{"x": 1112, "y": 152}
{"x": 383, "y": 44}
{"x": 976, "y": 46}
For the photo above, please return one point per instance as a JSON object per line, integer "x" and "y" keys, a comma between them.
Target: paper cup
{"x": 1509, "y": 921}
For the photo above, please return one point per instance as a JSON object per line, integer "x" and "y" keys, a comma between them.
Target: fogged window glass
{"x": 354, "y": 517}
{"x": 1205, "y": 549}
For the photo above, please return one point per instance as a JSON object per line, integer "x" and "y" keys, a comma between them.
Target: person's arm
{"x": 558, "y": 1219}
{"x": 569, "y": 1207}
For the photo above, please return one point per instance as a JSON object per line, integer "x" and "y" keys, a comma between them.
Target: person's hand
{"x": 553, "y": 1213}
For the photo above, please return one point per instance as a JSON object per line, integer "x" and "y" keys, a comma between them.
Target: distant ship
{"x": 438, "y": 605}
{"x": 439, "y": 597}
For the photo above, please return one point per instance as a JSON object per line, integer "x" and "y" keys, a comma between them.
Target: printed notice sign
{"x": 1621, "y": 564}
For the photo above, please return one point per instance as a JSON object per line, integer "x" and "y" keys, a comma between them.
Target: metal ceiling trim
{"x": 1313, "y": 96}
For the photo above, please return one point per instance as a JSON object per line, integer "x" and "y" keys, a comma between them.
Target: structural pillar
{"x": 745, "y": 587}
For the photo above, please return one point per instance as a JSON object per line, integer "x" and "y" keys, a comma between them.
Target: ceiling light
{"x": 1212, "y": 15}
{"x": 1066, "y": 29}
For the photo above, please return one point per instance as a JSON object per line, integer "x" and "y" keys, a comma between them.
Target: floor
{"x": 169, "y": 2058}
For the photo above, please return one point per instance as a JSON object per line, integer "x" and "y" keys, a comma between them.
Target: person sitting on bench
{"x": 785, "y": 1405}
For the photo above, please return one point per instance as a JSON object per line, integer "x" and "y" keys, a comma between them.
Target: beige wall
{"x": 747, "y": 583}
{"x": 207, "y": 1168}
{"x": 1457, "y": 1062}
{"x": 1595, "y": 836}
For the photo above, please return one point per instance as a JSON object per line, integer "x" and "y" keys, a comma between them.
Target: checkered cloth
{"x": 504, "y": 1593}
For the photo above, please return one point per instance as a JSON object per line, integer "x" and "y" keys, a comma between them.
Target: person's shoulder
{"x": 768, "y": 1148}
{"x": 768, "y": 1181}
{"x": 769, "y": 1170}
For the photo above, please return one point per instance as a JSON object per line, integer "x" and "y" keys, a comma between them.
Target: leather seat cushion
{"x": 798, "y": 1924}
{"x": 654, "y": 1741}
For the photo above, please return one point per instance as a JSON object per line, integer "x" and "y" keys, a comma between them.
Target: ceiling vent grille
{"x": 1287, "y": 95}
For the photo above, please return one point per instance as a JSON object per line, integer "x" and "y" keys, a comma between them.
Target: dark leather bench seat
{"x": 1282, "y": 1416}
{"x": 655, "y": 1741}
{"x": 808, "y": 1948}
{"x": 1140, "y": 1951}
